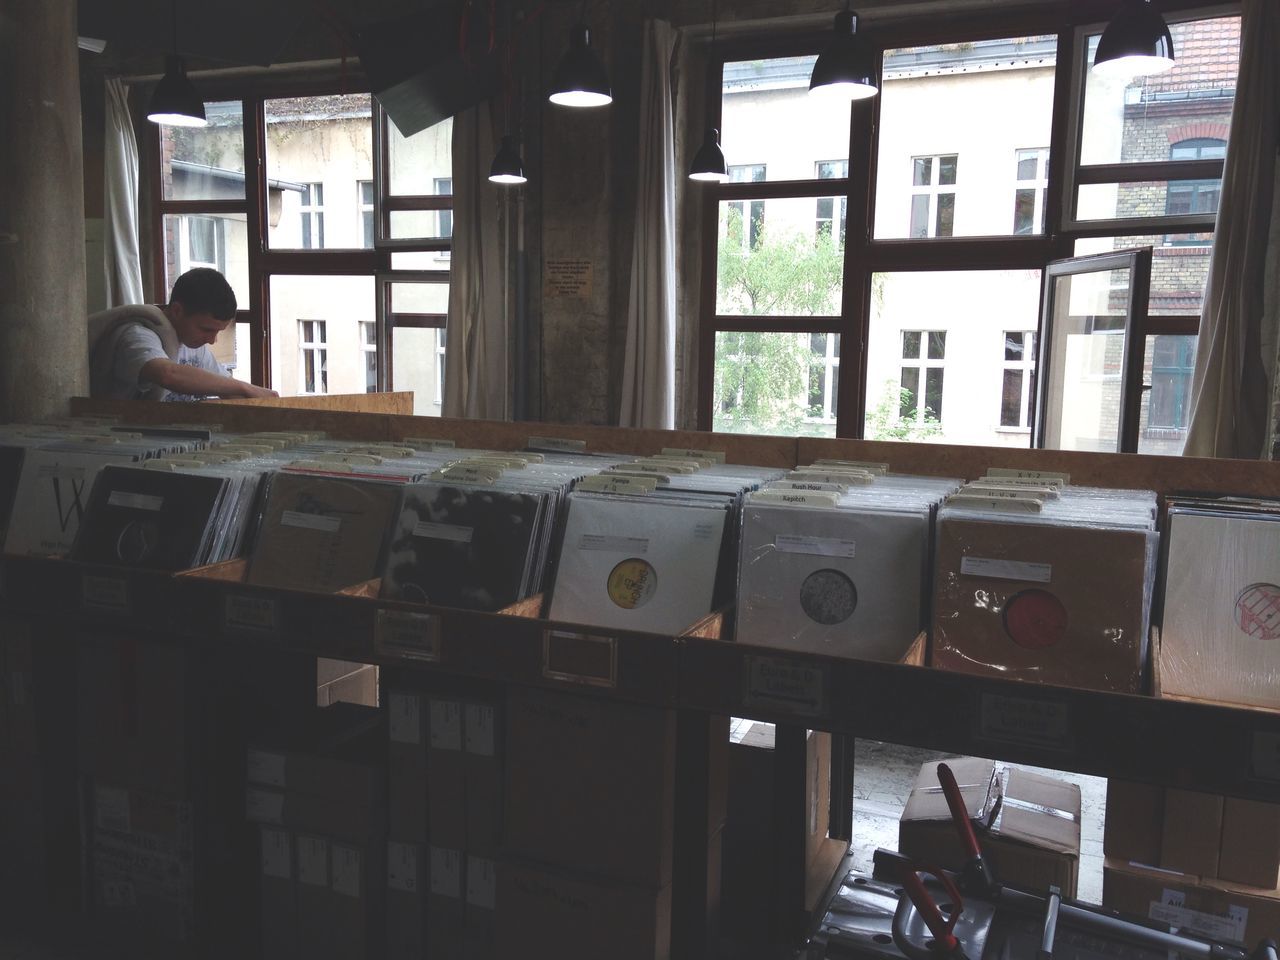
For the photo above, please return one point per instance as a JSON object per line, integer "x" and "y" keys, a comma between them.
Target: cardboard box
{"x": 545, "y": 912}
{"x": 407, "y": 865}
{"x": 407, "y": 766}
{"x": 141, "y": 862}
{"x": 612, "y": 817}
{"x": 446, "y": 775}
{"x": 1029, "y": 825}
{"x": 1134, "y": 821}
{"x": 481, "y": 908}
{"x": 1216, "y": 909}
{"x": 1192, "y": 835}
{"x": 446, "y": 908}
{"x": 1250, "y": 851}
{"x": 279, "y": 898}
{"x": 483, "y": 765}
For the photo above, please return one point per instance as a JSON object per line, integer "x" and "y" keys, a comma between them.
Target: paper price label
{"x": 348, "y": 869}
{"x": 135, "y": 501}
{"x": 277, "y": 854}
{"x": 482, "y": 883}
{"x": 785, "y": 686}
{"x": 446, "y": 725}
{"x": 403, "y": 633}
{"x": 480, "y": 734}
{"x": 1172, "y": 909}
{"x": 580, "y": 658}
{"x": 446, "y": 873}
{"x": 105, "y": 593}
{"x": 1266, "y": 756}
{"x": 402, "y": 867}
{"x": 266, "y": 767}
{"x": 1043, "y": 724}
{"x": 404, "y": 718}
{"x": 242, "y": 613}
{"x": 1006, "y": 569}
{"x": 313, "y": 861}
{"x": 557, "y": 444}
{"x": 310, "y": 521}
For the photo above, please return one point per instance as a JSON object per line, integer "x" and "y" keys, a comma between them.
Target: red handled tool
{"x": 976, "y": 877}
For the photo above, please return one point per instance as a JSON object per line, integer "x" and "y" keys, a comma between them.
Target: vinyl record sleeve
{"x": 836, "y": 582}
{"x": 1220, "y": 636}
{"x": 459, "y": 546}
{"x": 322, "y": 533}
{"x": 53, "y": 492}
{"x": 1058, "y": 604}
{"x": 149, "y": 519}
{"x": 636, "y": 564}
{"x": 10, "y": 471}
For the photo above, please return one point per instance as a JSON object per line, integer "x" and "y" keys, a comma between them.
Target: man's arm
{"x": 196, "y": 381}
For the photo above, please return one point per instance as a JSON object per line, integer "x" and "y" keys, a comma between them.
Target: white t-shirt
{"x": 135, "y": 347}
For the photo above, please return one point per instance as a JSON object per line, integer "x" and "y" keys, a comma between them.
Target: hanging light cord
{"x": 174, "y": 21}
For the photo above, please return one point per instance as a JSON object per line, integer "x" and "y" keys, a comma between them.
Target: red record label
{"x": 1258, "y": 611}
{"x": 1035, "y": 619}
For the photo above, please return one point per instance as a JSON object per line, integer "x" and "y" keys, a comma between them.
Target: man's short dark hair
{"x": 205, "y": 290}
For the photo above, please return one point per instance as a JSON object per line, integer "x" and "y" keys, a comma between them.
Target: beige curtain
{"x": 122, "y": 261}
{"x": 476, "y": 383}
{"x": 1236, "y": 358}
{"x": 649, "y": 363}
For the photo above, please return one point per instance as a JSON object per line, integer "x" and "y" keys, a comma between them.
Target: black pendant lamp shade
{"x": 580, "y": 79}
{"x": 507, "y": 167}
{"x": 1135, "y": 43}
{"x": 846, "y": 69}
{"x": 708, "y": 163}
{"x": 175, "y": 102}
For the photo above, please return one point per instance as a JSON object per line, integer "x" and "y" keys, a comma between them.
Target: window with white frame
{"x": 364, "y": 189}
{"x": 313, "y": 356}
{"x": 933, "y": 195}
{"x": 444, "y": 188}
{"x": 1018, "y": 390}
{"x": 1032, "y": 178}
{"x": 824, "y": 375}
{"x": 313, "y": 216}
{"x": 203, "y": 244}
{"x": 746, "y": 217}
{"x": 827, "y": 208}
{"x": 369, "y": 349}
{"x": 923, "y": 354}
{"x": 440, "y": 335}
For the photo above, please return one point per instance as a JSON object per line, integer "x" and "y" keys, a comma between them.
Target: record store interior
{"x": 639, "y": 479}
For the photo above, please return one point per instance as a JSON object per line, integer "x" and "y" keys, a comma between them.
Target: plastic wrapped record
{"x": 1220, "y": 634}
{"x": 635, "y": 563}
{"x": 843, "y": 582}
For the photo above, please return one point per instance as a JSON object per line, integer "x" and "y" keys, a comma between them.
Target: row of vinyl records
{"x": 1013, "y": 575}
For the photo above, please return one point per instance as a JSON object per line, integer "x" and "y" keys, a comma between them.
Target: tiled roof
{"x": 1207, "y": 56}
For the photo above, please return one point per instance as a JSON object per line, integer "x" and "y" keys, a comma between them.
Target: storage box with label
{"x": 1216, "y": 909}
{"x": 1192, "y": 836}
{"x": 612, "y": 817}
{"x": 482, "y": 761}
{"x": 1029, "y": 825}
{"x": 407, "y": 765}
{"x": 1250, "y": 843}
{"x": 407, "y": 876}
{"x": 279, "y": 899}
{"x": 446, "y": 902}
{"x": 446, "y": 774}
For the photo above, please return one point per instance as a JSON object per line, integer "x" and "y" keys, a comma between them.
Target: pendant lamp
{"x": 175, "y": 101}
{"x": 580, "y": 79}
{"x": 507, "y": 167}
{"x": 846, "y": 69}
{"x": 1135, "y": 43}
{"x": 708, "y": 163}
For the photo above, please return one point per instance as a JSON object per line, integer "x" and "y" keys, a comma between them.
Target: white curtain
{"x": 122, "y": 262}
{"x": 476, "y": 344}
{"x": 1239, "y": 324}
{"x": 649, "y": 364}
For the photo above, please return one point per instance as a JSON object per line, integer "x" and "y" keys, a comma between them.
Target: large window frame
{"x": 864, "y": 256}
{"x": 265, "y": 261}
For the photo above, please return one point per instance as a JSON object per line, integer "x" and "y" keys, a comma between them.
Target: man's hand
{"x": 197, "y": 382}
{"x": 251, "y": 391}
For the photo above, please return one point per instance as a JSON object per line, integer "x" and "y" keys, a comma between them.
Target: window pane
{"x": 1013, "y": 346}
{"x": 318, "y": 151}
{"x": 1027, "y": 165}
{"x": 1011, "y": 399}
{"x": 920, "y": 216}
{"x": 1024, "y": 211}
{"x": 421, "y": 224}
{"x": 205, "y": 163}
{"x": 960, "y": 366}
{"x": 935, "y": 112}
{"x": 428, "y": 298}
{"x": 910, "y": 344}
{"x": 910, "y": 399}
{"x": 341, "y": 304}
{"x": 417, "y": 364}
{"x": 946, "y": 214}
{"x": 775, "y": 383}
{"x": 775, "y": 266}
{"x": 421, "y": 260}
{"x": 1135, "y": 119}
{"x": 421, "y": 165}
{"x": 768, "y": 119}
{"x": 1166, "y": 407}
{"x": 220, "y": 241}
{"x": 1179, "y": 268}
{"x": 1155, "y": 198}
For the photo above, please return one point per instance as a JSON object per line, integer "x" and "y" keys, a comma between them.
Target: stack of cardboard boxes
{"x": 1206, "y": 864}
{"x": 317, "y": 792}
{"x": 445, "y": 799}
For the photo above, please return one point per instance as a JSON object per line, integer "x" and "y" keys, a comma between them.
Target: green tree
{"x": 885, "y": 420}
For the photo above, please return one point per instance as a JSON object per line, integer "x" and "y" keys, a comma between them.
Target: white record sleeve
{"x": 832, "y": 581}
{"x": 53, "y": 492}
{"x": 1220, "y": 635}
{"x": 637, "y": 564}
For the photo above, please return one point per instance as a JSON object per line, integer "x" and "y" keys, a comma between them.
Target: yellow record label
{"x": 632, "y": 583}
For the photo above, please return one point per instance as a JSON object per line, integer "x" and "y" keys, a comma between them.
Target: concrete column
{"x": 43, "y": 352}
